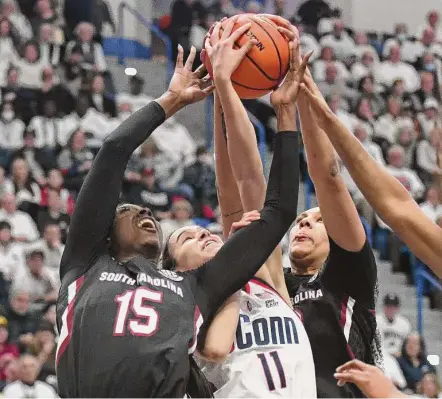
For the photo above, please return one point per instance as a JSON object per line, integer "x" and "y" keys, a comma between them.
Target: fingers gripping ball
{"x": 265, "y": 65}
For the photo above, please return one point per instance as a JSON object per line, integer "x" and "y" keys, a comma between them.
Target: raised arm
{"x": 98, "y": 198}
{"x": 385, "y": 193}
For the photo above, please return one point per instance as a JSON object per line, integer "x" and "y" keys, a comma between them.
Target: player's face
{"x": 308, "y": 239}
{"x": 192, "y": 246}
{"x": 136, "y": 231}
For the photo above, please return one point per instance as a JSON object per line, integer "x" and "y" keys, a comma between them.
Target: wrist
{"x": 221, "y": 80}
{"x": 286, "y": 117}
{"x": 171, "y": 103}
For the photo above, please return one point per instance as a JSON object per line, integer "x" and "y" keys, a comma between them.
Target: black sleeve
{"x": 95, "y": 208}
{"x": 247, "y": 250}
{"x": 351, "y": 273}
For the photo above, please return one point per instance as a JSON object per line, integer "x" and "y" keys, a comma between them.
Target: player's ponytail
{"x": 198, "y": 386}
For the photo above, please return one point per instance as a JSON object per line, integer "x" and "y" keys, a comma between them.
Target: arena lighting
{"x": 130, "y": 71}
{"x": 433, "y": 360}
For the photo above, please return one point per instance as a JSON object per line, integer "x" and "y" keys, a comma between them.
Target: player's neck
{"x": 305, "y": 269}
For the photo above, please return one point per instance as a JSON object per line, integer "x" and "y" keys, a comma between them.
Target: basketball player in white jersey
{"x": 257, "y": 345}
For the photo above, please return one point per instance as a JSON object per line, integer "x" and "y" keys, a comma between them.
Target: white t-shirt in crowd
{"x": 409, "y": 179}
{"x": 433, "y": 212}
{"x": 22, "y": 224}
{"x": 393, "y": 371}
{"x": 11, "y": 134}
{"x": 343, "y": 47}
{"x": 387, "y": 72}
{"x": 393, "y": 333}
{"x": 136, "y": 102}
{"x": 19, "y": 390}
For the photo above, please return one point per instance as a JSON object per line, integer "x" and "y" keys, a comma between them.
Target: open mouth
{"x": 209, "y": 242}
{"x": 146, "y": 224}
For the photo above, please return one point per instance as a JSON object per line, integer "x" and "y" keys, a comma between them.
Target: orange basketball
{"x": 266, "y": 64}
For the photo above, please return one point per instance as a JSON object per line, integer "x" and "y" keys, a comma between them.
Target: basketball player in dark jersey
{"x": 333, "y": 278}
{"x": 126, "y": 327}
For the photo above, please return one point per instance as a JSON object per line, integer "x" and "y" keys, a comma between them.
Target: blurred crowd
{"x": 58, "y": 103}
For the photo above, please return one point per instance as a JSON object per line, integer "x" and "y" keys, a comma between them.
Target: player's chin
{"x": 300, "y": 250}
{"x": 149, "y": 238}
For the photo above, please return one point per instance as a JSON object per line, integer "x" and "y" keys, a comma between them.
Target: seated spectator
{"x": 364, "y": 115}
{"x": 50, "y": 50}
{"x": 429, "y": 119}
{"x": 12, "y": 259}
{"x": 84, "y": 52}
{"x": 53, "y": 248}
{"x": 308, "y": 43}
{"x": 372, "y": 148}
{"x": 181, "y": 216}
{"x": 398, "y": 92}
{"x": 39, "y": 160}
{"x": 8, "y": 55}
{"x": 27, "y": 386}
{"x": 413, "y": 360}
{"x": 332, "y": 84}
{"x": 148, "y": 193}
{"x": 47, "y": 128}
{"x": 393, "y": 68}
{"x": 401, "y": 36}
{"x": 429, "y": 63}
{"x": 432, "y": 22}
{"x": 325, "y": 24}
{"x": 23, "y": 227}
{"x": 21, "y": 321}
{"x": 75, "y": 161}
{"x": 388, "y": 124}
{"x": 35, "y": 278}
{"x": 393, "y": 327}
{"x": 31, "y": 66}
{"x": 54, "y": 90}
{"x": 53, "y": 213}
{"x": 408, "y": 177}
{"x": 334, "y": 101}
{"x": 6, "y": 185}
{"x": 427, "y": 90}
{"x": 367, "y": 89}
{"x": 341, "y": 43}
{"x": 393, "y": 371}
{"x": 364, "y": 67}
{"x": 432, "y": 206}
{"x": 406, "y": 138}
{"x": 101, "y": 101}
{"x": 135, "y": 99}
{"x": 429, "y": 387}
{"x": 11, "y": 128}
{"x": 27, "y": 191}
{"x": 55, "y": 182}
{"x": 43, "y": 348}
{"x": 413, "y": 51}
{"x": 427, "y": 158}
{"x": 45, "y": 14}
{"x": 20, "y": 23}
{"x": 8, "y": 351}
{"x": 364, "y": 47}
{"x": 327, "y": 58}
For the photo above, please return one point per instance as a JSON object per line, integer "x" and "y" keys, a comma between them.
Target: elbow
{"x": 215, "y": 354}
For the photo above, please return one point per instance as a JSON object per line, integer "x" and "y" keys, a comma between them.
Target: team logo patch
{"x": 171, "y": 275}
{"x": 271, "y": 303}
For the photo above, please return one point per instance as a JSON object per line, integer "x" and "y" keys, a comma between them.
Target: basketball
{"x": 265, "y": 65}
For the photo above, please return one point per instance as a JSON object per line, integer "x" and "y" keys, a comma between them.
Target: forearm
{"x": 242, "y": 149}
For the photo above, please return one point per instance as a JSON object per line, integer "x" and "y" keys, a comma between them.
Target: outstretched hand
{"x": 190, "y": 86}
{"x": 246, "y": 219}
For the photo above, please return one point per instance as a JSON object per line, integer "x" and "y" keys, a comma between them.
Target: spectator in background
{"x": 47, "y": 128}
{"x": 312, "y": 11}
{"x": 393, "y": 327}
{"x": 432, "y": 206}
{"x": 408, "y": 177}
{"x": 55, "y": 182}
{"x": 363, "y": 46}
{"x": 429, "y": 387}
{"x": 413, "y": 51}
{"x": 433, "y": 22}
{"x": 8, "y": 351}
{"x": 277, "y": 7}
{"x": 427, "y": 90}
{"x": 50, "y": 50}
{"x": 21, "y": 322}
{"x": 335, "y": 103}
{"x": 223, "y": 8}
{"x": 53, "y": 248}
{"x": 31, "y": 66}
{"x": 364, "y": 67}
{"x": 393, "y": 68}
{"x": 100, "y": 101}
{"x": 326, "y": 23}
{"x": 308, "y": 43}
{"x": 367, "y": 89}
{"x": 400, "y": 37}
{"x": 11, "y": 254}
{"x": 341, "y": 43}
{"x": 372, "y": 148}
{"x": 429, "y": 119}
{"x": 406, "y": 138}
{"x": 181, "y": 216}
{"x": 327, "y": 58}
{"x": 11, "y": 128}
{"x": 413, "y": 360}
{"x": 27, "y": 386}
{"x": 393, "y": 371}
{"x": 17, "y": 19}
{"x": 54, "y": 90}
{"x": 398, "y": 92}
{"x": 8, "y": 54}
{"x": 5, "y": 184}
{"x": 135, "y": 99}
{"x": 365, "y": 115}
{"x": 35, "y": 279}
{"x": 45, "y": 14}
{"x": 23, "y": 227}
{"x": 148, "y": 193}
{"x": 53, "y": 213}
{"x": 75, "y": 161}
{"x": 101, "y": 15}
{"x": 428, "y": 156}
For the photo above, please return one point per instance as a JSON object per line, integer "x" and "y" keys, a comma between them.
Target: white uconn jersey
{"x": 271, "y": 355}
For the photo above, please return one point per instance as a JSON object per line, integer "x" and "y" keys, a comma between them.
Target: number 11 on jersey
{"x": 267, "y": 372}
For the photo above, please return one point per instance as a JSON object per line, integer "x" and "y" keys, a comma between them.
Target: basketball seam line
{"x": 276, "y": 47}
{"x": 254, "y": 63}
